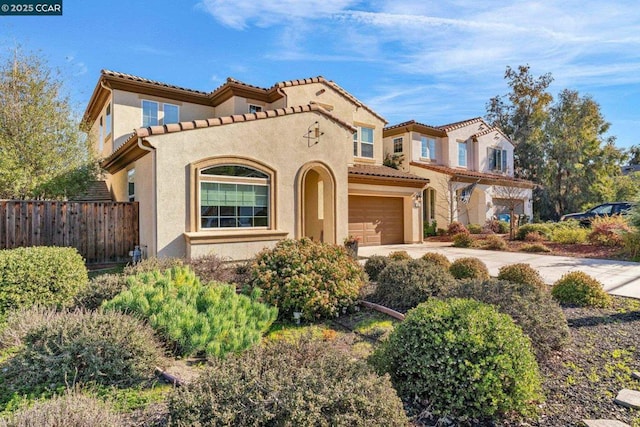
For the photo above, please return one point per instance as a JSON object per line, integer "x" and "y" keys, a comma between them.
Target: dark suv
{"x": 605, "y": 209}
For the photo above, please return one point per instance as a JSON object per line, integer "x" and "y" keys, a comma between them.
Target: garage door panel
{"x": 376, "y": 220}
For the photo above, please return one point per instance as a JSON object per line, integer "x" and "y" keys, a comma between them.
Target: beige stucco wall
{"x": 498, "y": 141}
{"x": 277, "y": 143}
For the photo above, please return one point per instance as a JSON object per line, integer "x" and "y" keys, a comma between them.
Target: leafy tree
{"x": 634, "y": 155}
{"x": 43, "y": 152}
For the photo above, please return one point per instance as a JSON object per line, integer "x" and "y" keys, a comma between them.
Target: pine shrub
{"x": 209, "y": 319}
{"x": 437, "y": 259}
{"x": 542, "y": 229}
{"x": 529, "y": 304}
{"x": 608, "y": 230}
{"x": 399, "y": 256}
{"x": 305, "y": 383}
{"x": 316, "y": 279}
{"x": 41, "y": 275}
{"x": 522, "y": 273}
{"x": 580, "y": 289}
{"x": 374, "y": 265}
{"x": 404, "y": 285}
{"x": 456, "y": 228}
{"x": 463, "y": 240}
{"x": 461, "y": 359}
{"x": 469, "y": 268}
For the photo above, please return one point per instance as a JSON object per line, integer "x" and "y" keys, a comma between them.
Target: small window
{"x": 355, "y": 143}
{"x": 462, "y": 154}
{"x": 108, "y": 121}
{"x": 171, "y": 114}
{"x": 149, "y": 113}
{"x": 427, "y": 148}
{"x": 254, "y": 108}
{"x": 364, "y": 143}
{"x": 131, "y": 185}
{"x": 397, "y": 145}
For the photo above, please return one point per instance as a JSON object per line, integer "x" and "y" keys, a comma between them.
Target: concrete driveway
{"x": 618, "y": 277}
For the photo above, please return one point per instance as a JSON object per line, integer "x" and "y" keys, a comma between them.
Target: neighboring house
{"x": 469, "y": 166}
{"x": 239, "y": 168}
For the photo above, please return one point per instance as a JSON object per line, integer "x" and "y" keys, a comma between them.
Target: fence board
{"x": 101, "y": 231}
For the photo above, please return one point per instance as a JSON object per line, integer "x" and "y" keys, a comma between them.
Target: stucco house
{"x": 469, "y": 165}
{"x": 239, "y": 168}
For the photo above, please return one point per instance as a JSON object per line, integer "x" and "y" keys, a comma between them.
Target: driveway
{"x": 618, "y": 277}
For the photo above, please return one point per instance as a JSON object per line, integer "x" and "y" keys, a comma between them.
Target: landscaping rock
{"x": 605, "y": 423}
{"x": 628, "y": 398}
{"x": 636, "y": 376}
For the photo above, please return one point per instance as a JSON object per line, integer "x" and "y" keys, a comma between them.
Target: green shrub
{"x": 631, "y": 245}
{"x": 374, "y": 265}
{"x": 152, "y": 264}
{"x": 474, "y": 228}
{"x": 399, "y": 256}
{"x": 437, "y": 259}
{"x": 530, "y": 306}
{"x": 569, "y": 236}
{"x": 534, "y": 236}
{"x": 578, "y": 288}
{"x": 403, "y": 285}
{"x": 534, "y": 247}
{"x": 456, "y": 228}
{"x": 430, "y": 229}
{"x": 306, "y": 383}
{"x": 469, "y": 268}
{"x": 210, "y": 318}
{"x": 72, "y": 409}
{"x": 522, "y": 273}
{"x": 100, "y": 288}
{"x": 83, "y": 347}
{"x": 317, "y": 279}
{"x": 542, "y": 229}
{"x": 463, "y": 359}
{"x": 608, "y": 230}
{"x": 494, "y": 243}
{"x": 463, "y": 240}
{"x": 41, "y": 275}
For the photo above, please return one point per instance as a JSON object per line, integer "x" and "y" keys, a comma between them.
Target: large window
{"x": 151, "y": 113}
{"x": 234, "y": 196}
{"x": 462, "y": 154}
{"x": 171, "y": 114}
{"x": 363, "y": 142}
{"x": 497, "y": 159}
{"x": 427, "y": 148}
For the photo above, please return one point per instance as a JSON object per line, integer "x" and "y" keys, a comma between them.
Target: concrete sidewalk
{"x": 618, "y": 277}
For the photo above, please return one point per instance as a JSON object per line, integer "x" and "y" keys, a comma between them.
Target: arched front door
{"x": 316, "y": 188}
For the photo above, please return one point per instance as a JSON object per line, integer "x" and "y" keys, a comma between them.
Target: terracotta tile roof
{"x": 384, "y": 172}
{"x": 464, "y": 173}
{"x": 138, "y": 79}
{"x": 463, "y": 123}
{"x": 413, "y": 124}
{"x": 491, "y": 130}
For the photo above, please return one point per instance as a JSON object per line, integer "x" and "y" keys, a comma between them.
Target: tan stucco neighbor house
{"x": 237, "y": 169}
{"x": 469, "y": 165}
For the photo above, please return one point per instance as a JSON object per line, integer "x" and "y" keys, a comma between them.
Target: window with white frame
{"x": 397, "y": 145}
{"x": 254, "y": 108}
{"x": 497, "y": 159}
{"x": 131, "y": 185}
{"x": 171, "y": 114}
{"x": 462, "y": 154}
{"x": 234, "y": 196}
{"x": 149, "y": 113}
{"x": 363, "y": 142}
{"x": 427, "y": 148}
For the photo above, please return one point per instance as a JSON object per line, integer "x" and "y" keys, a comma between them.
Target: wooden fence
{"x": 101, "y": 231}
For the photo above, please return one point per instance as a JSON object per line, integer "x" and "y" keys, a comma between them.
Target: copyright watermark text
{"x": 34, "y": 8}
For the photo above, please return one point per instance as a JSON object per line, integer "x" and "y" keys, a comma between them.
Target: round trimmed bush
{"x": 404, "y": 285}
{"x": 542, "y": 229}
{"x": 469, "y": 268}
{"x": 41, "y": 275}
{"x": 578, "y": 288}
{"x": 530, "y": 305}
{"x": 494, "y": 243}
{"x": 463, "y": 359}
{"x": 437, "y": 259}
{"x": 456, "y": 228}
{"x": 399, "y": 256}
{"x": 474, "y": 228}
{"x": 374, "y": 265}
{"x": 463, "y": 240}
{"x": 522, "y": 273}
{"x": 100, "y": 288}
{"x": 84, "y": 346}
{"x": 317, "y": 279}
{"x": 305, "y": 383}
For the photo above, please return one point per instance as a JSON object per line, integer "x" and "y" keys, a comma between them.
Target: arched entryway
{"x": 316, "y": 189}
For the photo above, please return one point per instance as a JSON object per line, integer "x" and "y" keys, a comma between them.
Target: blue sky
{"x": 432, "y": 61}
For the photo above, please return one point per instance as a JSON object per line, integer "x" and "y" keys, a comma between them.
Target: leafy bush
{"x": 534, "y": 236}
{"x": 530, "y": 306}
{"x": 534, "y": 247}
{"x": 469, "y": 268}
{"x": 403, "y": 285}
{"x": 210, "y": 319}
{"x": 569, "y": 236}
{"x": 461, "y": 358}
{"x": 522, "y": 273}
{"x": 82, "y": 347}
{"x": 316, "y": 279}
{"x": 100, "y": 288}
{"x": 578, "y": 288}
{"x": 41, "y": 275}
{"x": 430, "y": 229}
{"x": 608, "y": 230}
{"x": 462, "y": 240}
{"x": 374, "y": 265}
{"x": 542, "y": 229}
{"x": 72, "y": 409}
{"x": 152, "y": 264}
{"x": 282, "y": 384}
{"x": 631, "y": 245}
{"x": 494, "y": 243}
{"x": 399, "y": 256}
{"x": 437, "y": 259}
{"x": 456, "y": 228}
{"x": 474, "y": 228}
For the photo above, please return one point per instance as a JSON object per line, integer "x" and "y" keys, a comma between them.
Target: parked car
{"x": 605, "y": 209}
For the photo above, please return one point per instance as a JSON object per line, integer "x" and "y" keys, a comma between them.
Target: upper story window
{"x": 101, "y": 134}
{"x": 397, "y": 145}
{"x": 462, "y": 154}
{"x": 427, "y": 148}
{"x": 254, "y": 108}
{"x": 497, "y": 159}
{"x": 363, "y": 142}
{"x": 151, "y": 113}
{"x": 234, "y": 196}
{"x": 171, "y": 114}
{"x": 131, "y": 185}
{"x": 108, "y": 121}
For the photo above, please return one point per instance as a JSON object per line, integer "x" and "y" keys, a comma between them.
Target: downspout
{"x": 152, "y": 150}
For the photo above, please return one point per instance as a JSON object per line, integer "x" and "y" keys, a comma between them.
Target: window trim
{"x": 466, "y": 154}
{"x": 258, "y": 108}
{"x": 131, "y": 180}
{"x": 398, "y": 142}
{"x": 358, "y": 142}
{"x": 431, "y": 156}
{"x": 142, "y": 112}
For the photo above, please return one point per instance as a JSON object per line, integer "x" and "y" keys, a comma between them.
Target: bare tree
{"x": 514, "y": 196}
